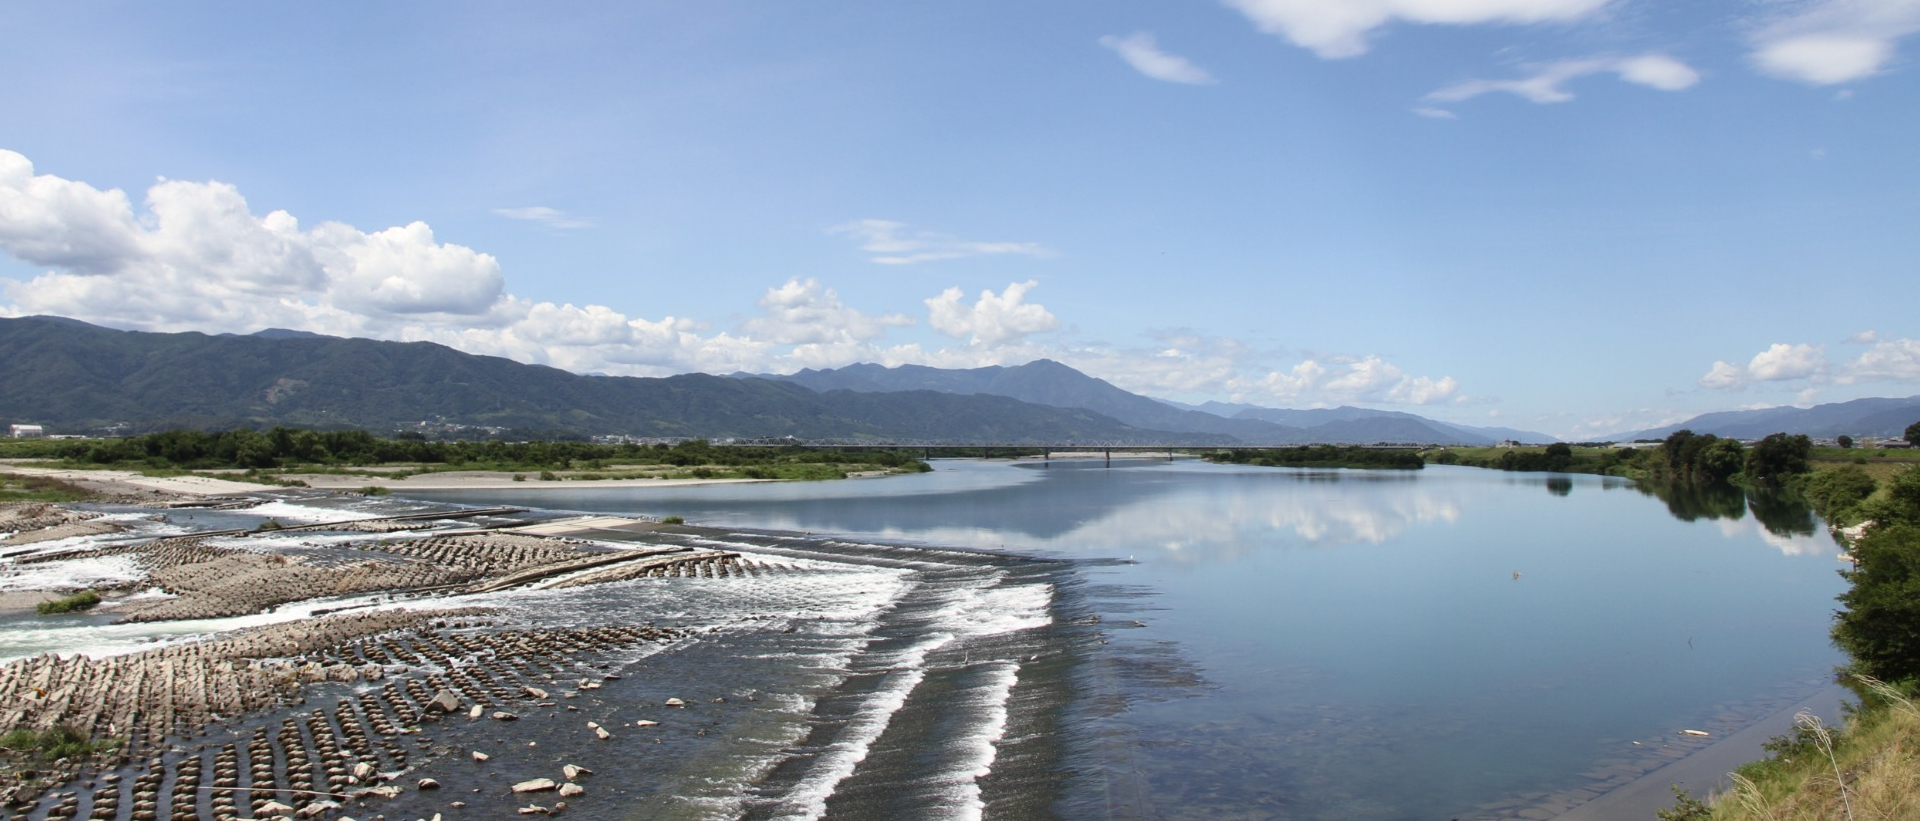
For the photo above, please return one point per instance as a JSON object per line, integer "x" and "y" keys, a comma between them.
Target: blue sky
{"x": 1574, "y": 216}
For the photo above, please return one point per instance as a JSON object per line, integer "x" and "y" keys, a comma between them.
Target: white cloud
{"x": 197, "y": 258}
{"x": 1894, "y": 360}
{"x": 1547, "y": 84}
{"x": 1780, "y": 362}
{"x": 1368, "y": 379}
{"x": 1339, "y": 28}
{"x": 1724, "y": 376}
{"x": 1885, "y": 360}
{"x": 1834, "y": 41}
{"x": 550, "y": 217}
{"x": 1141, "y": 52}
{"x": 806, "y": 313}
{"x": 993, "y": 320}
{"x": 891, "y": 243}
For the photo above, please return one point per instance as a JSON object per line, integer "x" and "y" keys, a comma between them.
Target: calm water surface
{"x": 1346, "y": 644}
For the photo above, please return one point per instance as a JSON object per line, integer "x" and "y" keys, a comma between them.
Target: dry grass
{"x": 1869, "y": 772}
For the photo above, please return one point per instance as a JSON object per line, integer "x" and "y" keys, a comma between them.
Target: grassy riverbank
{"x": 1868, "y": 768}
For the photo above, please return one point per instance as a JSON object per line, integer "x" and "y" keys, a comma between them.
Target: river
{"x": 1450, "y": 642}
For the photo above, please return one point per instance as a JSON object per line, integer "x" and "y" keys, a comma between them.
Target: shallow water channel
{"x": 1444, "y": 643}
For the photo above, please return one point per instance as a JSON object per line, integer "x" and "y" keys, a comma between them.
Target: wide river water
{"x": 1443, "y": 643}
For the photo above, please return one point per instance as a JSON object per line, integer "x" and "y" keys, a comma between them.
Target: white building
{"x": 26, "y": 431}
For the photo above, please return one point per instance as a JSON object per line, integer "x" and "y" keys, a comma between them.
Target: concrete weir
{"x": 426, "y": 665}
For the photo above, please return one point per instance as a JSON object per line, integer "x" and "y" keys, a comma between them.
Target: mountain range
{"x": 1046, "y": 382}
{"x": 74, "y": 376}
{"x": 1876, "y": 417}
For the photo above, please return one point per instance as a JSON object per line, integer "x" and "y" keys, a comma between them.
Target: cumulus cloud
{"x": 993, "y": 319}
{"x": 1892, "y": 360}
{"x": 1780, "y": 362}
{"x": 892, "y": 243}
{"x": 1141, "y": 52}
{"x": 1884, "y": 360}
{"x": 1547, "y": 83}
{"x": 1368, "y": 379}
{"x": 194, "y": 256}
{"x": 1340, "y": 29}
{"x": 1834, "y": 41}
{"x": 807, "y": 313}
{"x": 550, "y": 217}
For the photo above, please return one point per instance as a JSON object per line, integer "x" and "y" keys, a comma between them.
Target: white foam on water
{"x": 986, "y": 609}
{"x": 307, "y": 514}
{"x": 807, "y": 801}
{"x": 981, "y": 745}
{"x": 69, "y": 637}
{"x": 89, "y": 571}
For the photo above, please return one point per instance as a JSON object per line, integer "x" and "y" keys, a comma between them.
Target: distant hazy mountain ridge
{"x": 1047, "y": 382}
{"x": 76, "y": 376}
{"x": 1877, "y": 417}
{"x": 72, "y": 375}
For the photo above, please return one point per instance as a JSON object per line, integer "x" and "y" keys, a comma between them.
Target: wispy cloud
{"x": 892, "y": 243}
{"x": 1834, "y": 41}
{"x": 550, "y": 217}
{"x": 1339, "y": 28}
{"x": 1141, "y": 52}
{"x": 1547, "y": 83}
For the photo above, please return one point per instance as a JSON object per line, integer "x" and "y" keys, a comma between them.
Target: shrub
{"x": 83, "y": 600}
{"x": 673, "y": 520}
{"x": 375, "y": 490}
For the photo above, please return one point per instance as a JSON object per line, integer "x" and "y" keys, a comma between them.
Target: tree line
{"x": 1323, "y": 456}
{"x": 286, "y": 447}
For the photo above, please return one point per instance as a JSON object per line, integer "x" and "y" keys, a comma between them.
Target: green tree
{"x": 1880, "y": 625}
{"x": 1844, "y": 441}
{"x": 1913, "y": 434}
{"x": 1778, "y": 456}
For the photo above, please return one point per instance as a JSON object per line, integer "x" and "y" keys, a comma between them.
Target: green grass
{"x": 17, "y": 488}
{"x": 1866, "y": 770}
{"x": 83, "y": 600}
{"x": 64, "y": 741}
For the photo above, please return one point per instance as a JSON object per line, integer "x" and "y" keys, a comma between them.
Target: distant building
{"x": 1508, "y": 443}
{"x": 26, "y": 431}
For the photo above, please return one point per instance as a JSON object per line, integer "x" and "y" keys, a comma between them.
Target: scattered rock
{"x": 273, "y": 808}
{"x": 535, "y": 809}
{"x": 429, "y": 784}
{"x": 480, "y": 756}
{"x": 535, "y": 785}
{"x": 536, "y": 692}
{"x": 502, "y": 715}
{"x": 645, "y": 723}
{"x": 574, "y": 771}
{"x": 476, "y": 712}
{"x": 674, "y": 702}
{"x": 602, "y": 733}
{"x": 383, "y": 792}
{"x": 445, "y": 701}
{"x": 362, "y": 770}
{"x": 571, "y": 790}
